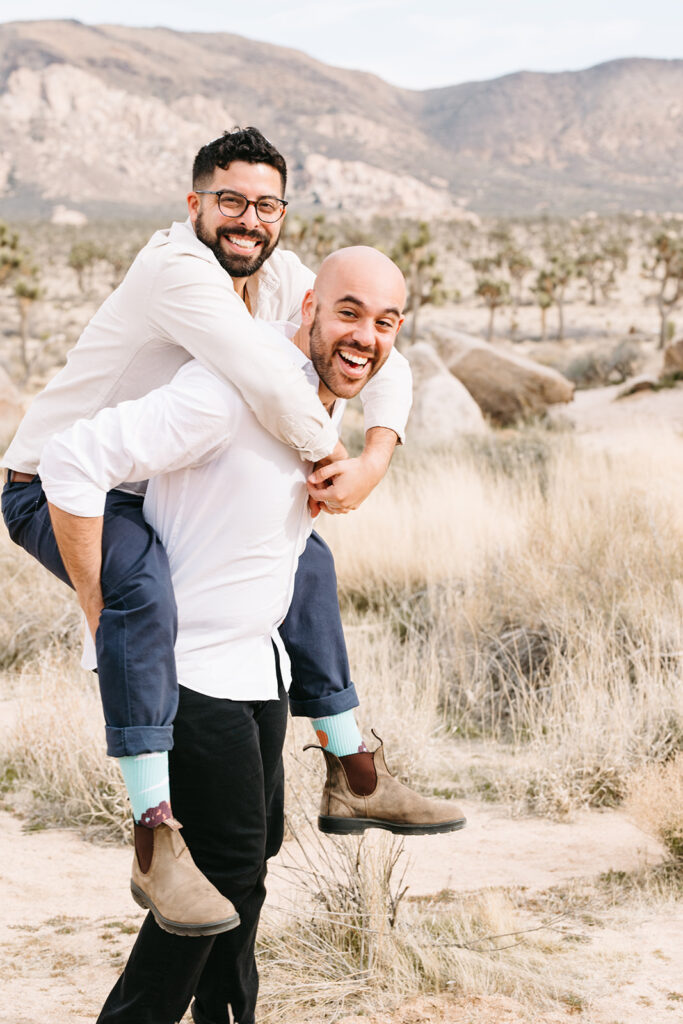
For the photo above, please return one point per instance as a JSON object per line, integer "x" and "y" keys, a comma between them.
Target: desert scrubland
{"x": 513, "y": 601}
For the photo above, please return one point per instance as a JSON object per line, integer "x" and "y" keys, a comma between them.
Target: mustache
{"x": 361, "y": 350}
{"x": 258, "y": 236}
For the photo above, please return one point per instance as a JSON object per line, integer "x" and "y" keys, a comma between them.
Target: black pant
{"x": 227, "y": 787}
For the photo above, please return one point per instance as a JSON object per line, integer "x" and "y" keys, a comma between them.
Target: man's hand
{"x": 338, "y": 455}
{"x": 342, "y": 485}
{"x": 80, "y": 544}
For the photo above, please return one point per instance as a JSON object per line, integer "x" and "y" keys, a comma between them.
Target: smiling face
{"x": 240, "y": 244}
{"x": 352, "y": 317}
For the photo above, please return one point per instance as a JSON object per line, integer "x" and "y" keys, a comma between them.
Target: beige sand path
{"x": 67, "y": 921}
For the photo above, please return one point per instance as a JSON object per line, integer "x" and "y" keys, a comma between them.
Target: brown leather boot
{"x": 182, "y": 899}
{"x": 391, "y": 805}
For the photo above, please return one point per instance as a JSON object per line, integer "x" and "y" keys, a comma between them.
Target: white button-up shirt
{"x": 228, "y": 501}
{"x": 176, "y": 302}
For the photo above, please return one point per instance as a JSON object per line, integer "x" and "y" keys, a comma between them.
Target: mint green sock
{"x": 146, "y": 779}
{"x": 339, "y": 734}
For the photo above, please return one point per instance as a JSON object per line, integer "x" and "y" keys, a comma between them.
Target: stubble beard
{"x": 324, "y": 367}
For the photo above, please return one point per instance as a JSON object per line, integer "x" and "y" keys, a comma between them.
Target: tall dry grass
{"x": 524, "y": 592}
{"x": 655, "y": 801}
{"x": 535, "y": 583}
{"x": 53, "y": 761}
{"x": 350, "y": 940}
{"x": 37, "y": 612}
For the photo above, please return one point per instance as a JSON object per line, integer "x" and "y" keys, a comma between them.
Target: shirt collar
{"x": 182, "y": 235}
{"x": 264, "y": 283}
{"x": 299, "y": 358}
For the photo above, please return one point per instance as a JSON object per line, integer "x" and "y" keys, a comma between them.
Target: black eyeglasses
{"x": 269, "y": 209}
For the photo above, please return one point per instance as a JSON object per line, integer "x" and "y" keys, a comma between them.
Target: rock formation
{"x": 442, "y": 407}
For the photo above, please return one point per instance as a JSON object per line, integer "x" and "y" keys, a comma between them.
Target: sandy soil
{"x": 67, "y": 921}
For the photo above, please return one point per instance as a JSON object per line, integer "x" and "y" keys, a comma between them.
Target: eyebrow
{"x": 359, "y": 302}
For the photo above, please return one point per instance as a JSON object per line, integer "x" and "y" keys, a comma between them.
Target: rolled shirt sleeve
{"x": 194, "y": 304}
{"x": 178, "y": 425}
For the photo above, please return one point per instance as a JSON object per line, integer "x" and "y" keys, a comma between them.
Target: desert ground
{"x": 514, "y": 610}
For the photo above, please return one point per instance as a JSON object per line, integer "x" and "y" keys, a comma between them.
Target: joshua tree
{"x": 495, "y": 293}
{"x": 312, "y": 239}
{"x": 666, "y": 267}
{"x": 10, "y": 253}
{"x": 82, "y": 258}
{"x": 518, "y": 266}
{"x": 598, "y": 259}
{"x": 418, "y": 263}
{"x": 119, "y": 258}
{"x": 544, "y": 290}
{"x": 22, "y": 277}
{"x": 26, "y": 291}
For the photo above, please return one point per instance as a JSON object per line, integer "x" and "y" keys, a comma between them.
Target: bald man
{"x": 229, "y": 503}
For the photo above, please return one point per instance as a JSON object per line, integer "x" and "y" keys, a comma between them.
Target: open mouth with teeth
{"x": 242, "y": 243}
{"x": 353, "y": 363}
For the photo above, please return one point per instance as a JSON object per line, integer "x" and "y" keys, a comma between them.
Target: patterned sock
{"x": 339, "y": 734}
{"x": 146, "y": 779}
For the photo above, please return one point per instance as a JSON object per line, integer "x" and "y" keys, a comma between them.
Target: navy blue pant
{"x": 227, "y": 784}
{"x": 135, "y": 659}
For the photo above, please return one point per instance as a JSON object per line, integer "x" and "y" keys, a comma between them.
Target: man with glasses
{"x": 190, "y": 293}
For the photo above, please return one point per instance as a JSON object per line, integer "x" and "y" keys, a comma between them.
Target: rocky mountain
{"x": 106, "y": 119}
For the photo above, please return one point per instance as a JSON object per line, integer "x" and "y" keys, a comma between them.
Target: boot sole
{"x": 352, "y": 826}
{"x": 178, "y": 928}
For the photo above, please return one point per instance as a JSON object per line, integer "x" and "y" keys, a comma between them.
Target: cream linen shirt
{"x": 228, "y": 501}
{"x": 177, "y": 302}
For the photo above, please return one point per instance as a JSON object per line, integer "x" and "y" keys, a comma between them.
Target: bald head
{"x": 350, "y": 318}
{"x": 367, "y": 272}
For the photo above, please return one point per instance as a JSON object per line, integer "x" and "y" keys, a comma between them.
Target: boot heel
{"x": 341, "y": 826}
{"x": 138, "y": 897}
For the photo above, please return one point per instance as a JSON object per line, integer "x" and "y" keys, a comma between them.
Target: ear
{"x": 308, "y": 307}
{"x": 400, "y": 324}
{"x": 193, "y": 203}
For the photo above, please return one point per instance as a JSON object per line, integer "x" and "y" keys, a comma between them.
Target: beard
{"x": 234, "y": 264}
{"x": 322, "y": 358}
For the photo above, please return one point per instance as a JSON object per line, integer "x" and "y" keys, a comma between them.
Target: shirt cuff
{"x": 378, "y": 417}
{"x": 78, "y": 499}
{"x": 311, "y": 447}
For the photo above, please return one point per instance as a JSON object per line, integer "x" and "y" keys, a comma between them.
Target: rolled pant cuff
{"x": 321, "y": 707}
{"x": 138, "y": 739}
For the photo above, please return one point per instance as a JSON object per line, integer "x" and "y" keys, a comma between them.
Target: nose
{"x": 364, "y": 331}
{"x": 249, "y": 218}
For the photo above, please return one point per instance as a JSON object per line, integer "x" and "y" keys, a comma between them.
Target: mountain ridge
{"x": 608, "y": 137}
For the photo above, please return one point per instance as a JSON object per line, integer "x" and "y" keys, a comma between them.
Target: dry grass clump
{"x": 37, "y": 611}
{"x": 54, "y": 759}
{"x": 352, "y": 941}
{"x": 655, "y": 801}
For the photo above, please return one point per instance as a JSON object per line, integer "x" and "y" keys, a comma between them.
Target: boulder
{"x": 673, "y": 359}
{"x": 11, "y": 407}
{"x": 442, "y": 407}
{"x": 505, "y": 386}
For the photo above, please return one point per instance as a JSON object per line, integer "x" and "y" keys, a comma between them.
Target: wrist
{"x": 374, "y": 462}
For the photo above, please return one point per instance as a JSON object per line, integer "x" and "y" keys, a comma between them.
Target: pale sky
{"x": 414, "y": 43}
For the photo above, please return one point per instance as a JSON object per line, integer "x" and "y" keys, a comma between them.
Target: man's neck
{"x": 240, "y": 286}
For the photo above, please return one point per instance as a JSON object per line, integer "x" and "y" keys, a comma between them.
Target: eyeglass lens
{"x": 268, "y": 208}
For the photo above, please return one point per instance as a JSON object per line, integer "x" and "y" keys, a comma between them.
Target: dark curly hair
{"x": 247, "y": 144}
